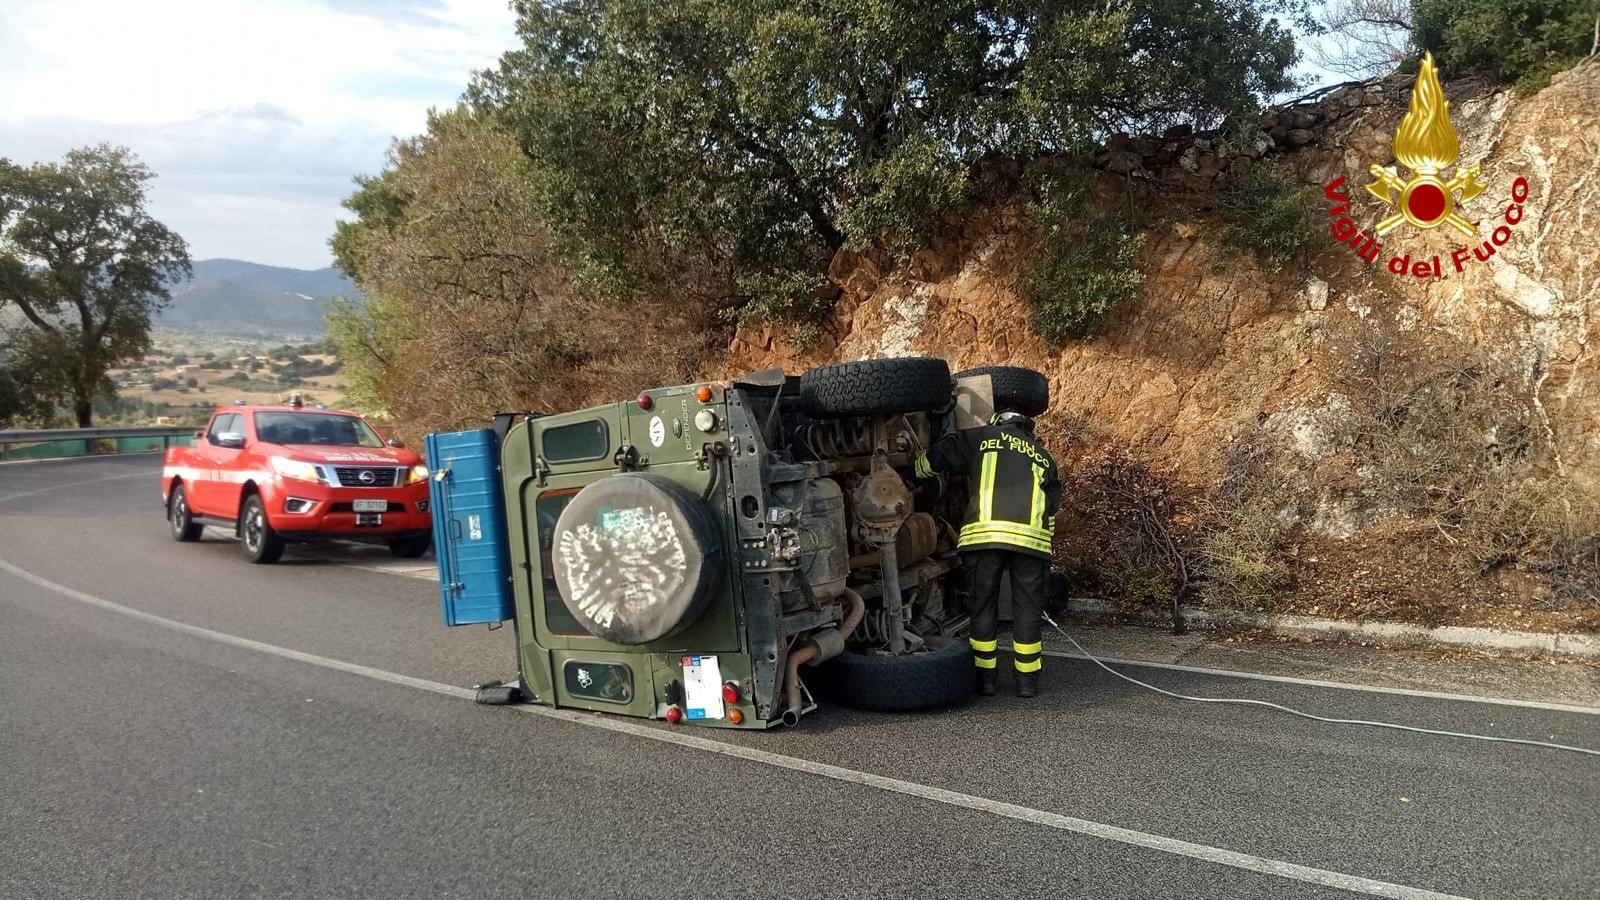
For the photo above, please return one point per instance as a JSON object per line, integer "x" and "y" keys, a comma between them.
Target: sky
{"x": 254, "y": 114}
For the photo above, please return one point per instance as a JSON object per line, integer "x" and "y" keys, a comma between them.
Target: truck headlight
{"x": 418, "y": 474}
{"x": 299, "y": 471}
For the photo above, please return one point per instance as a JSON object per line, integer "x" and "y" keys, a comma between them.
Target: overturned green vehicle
{"x": 723, "y": 553}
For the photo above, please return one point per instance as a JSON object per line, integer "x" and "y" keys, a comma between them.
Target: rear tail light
{"x": 730, "y": 692}
{"x": 674, "y": 715}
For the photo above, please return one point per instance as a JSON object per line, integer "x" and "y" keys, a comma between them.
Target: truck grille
{"x": 381, "y": 477}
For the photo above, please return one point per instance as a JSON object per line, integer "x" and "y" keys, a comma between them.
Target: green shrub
{"x": 1124, "y": 526}
{"x": 796, "y": 299}
{"x": 1245, "y": 532}
{"x": 903, "y": 198}
{"x": 1087, "y": 265}
{"x": 1526, "y": 41}
{"x": 1270, "y": 217}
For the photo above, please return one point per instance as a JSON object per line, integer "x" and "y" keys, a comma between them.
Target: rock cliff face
{"x": 1215, "y": 348}
{"x": 1213, "y": 344}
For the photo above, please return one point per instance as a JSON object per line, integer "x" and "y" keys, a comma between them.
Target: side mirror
{"x": 230, "y": 439}
{"x": 396, "y": 442}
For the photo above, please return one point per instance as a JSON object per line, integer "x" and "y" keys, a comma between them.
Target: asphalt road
{"x": 139, "y": 758}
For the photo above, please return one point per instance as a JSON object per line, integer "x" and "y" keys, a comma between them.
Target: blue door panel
{"x": 469, "y": 527}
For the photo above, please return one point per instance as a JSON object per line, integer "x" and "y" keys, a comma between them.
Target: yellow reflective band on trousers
{"x": 924, "y": 469}
{"x": 1032, "y": 666}
{"x": 986, "y": 486}
{"x": 1025, "y": 649}
{"x": 984, "y": 652}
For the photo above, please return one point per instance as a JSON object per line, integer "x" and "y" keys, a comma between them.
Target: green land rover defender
{"x": 723, "y": 553}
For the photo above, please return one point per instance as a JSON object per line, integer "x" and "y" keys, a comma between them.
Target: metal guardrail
{"x": 48, "y": 443}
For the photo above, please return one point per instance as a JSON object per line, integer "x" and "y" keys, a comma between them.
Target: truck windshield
{"x": 315, "y": 428}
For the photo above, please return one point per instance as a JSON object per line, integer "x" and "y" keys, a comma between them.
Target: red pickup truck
{"x": 286, "y": 473}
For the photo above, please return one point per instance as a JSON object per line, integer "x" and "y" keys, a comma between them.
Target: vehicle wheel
{"x": 1024, "y": 390}
{"x": 411, "y": 547}
{"x": 938, "y": 676}
{"x": 876, "y": 386}
{"x": 184, "y": 527}
{"x": 636, "y": 557}
{"x": 261, "y": 543}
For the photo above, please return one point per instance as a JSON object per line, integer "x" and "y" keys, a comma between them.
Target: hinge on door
{"x": 626, "y": 457}
{"x": 541, "y": 470}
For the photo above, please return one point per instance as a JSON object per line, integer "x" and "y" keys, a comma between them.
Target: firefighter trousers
{"x": 1029, "y": 577}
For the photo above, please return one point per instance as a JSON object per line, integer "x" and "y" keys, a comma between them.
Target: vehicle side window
{"x": 578, "y": 441}
{"x": 548, "y": 509}
{"x": 223, "y": 424}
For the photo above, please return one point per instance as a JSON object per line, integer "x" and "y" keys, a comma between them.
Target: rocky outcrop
{"x": 1214, "y": 346}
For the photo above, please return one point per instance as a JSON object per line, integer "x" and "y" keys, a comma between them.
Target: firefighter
{"x": 1015, "y": 491}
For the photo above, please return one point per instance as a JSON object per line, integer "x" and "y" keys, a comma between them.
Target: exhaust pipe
{"x": 822, "y": 647}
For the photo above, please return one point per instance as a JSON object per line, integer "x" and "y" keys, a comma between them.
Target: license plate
{"x": 369, "y": 519}
{"x": 371, "y": 505}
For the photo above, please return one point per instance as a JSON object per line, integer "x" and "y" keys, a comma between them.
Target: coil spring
{"x": 872, "y": 631}
{"x": 840, "y": 437}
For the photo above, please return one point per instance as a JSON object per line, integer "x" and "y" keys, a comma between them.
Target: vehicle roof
{"x": 260, "y": 407}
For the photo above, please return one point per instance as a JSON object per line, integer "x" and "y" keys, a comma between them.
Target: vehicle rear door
{"x": 574, "y": 454}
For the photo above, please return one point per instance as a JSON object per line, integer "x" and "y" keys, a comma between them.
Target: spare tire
{"x": 876, "y": 387}
{"x": 1024, "y": 390}
{"x": 940, "y": 675}
{"x": 636, "y": 558}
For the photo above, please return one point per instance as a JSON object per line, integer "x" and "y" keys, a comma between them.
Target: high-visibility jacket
{"x": 1013, "y": 485}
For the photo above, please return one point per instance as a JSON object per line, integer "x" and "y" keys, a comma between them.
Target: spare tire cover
{"x": 636, "y": 557}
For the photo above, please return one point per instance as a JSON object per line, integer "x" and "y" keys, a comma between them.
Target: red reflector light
{"x": 645, "y": 402}
{"x": 674, "y": 715}
{"x": 730, "y": 693}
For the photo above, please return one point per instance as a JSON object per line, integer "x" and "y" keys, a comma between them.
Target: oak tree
{"x": 85, "y": 264}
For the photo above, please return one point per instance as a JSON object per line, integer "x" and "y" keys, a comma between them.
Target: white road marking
{"x": 155, "y": 492}
{"x": 1341, "y": 685}
{"x": 100, "y": 457}
{"x": 1231, "y": 858}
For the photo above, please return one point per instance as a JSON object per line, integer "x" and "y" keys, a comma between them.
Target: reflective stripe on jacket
{"x": 1013, "y": 484}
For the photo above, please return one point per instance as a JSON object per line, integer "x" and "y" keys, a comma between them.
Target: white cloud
{"x": 254, "y": 114}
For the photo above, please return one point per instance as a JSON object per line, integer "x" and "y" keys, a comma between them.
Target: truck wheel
{"x": 938, "y": 676}
{"x": 261, "y": 544}
{"x": 636, "y": 558}
{"x": 411, "y": 547}
{"x": 1024, "y": 390}
{"x": 184, "y": 527}
{"x": 876, "y": 386}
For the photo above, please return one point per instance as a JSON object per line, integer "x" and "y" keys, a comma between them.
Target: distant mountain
{"x": 233, "y": 297}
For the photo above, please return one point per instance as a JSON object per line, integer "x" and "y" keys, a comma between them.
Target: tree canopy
{"x": 746, "y": 141}
{"x": 86, "y": 265}
{"x": 469, "y": 309}
{"x": 1526, "y": 41}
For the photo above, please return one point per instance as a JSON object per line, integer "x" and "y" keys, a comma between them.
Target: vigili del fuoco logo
{"x": 1426, "y": 145}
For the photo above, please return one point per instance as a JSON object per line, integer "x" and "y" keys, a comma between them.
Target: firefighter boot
{"x": 985, "y": 682}
{"x": 1027, "y": 684}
